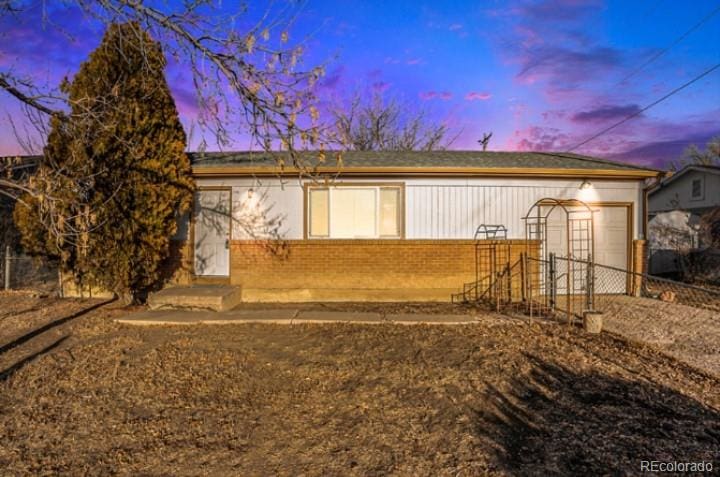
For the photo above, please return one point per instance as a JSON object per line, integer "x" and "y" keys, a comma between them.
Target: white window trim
{"x": 400, "y": 186}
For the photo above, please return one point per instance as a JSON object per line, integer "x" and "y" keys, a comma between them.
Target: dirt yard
{"x": 687, "y": 333}
{"x": 85, "y": 396}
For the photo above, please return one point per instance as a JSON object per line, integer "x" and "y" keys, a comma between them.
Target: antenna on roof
{"x": 485, "y": 140}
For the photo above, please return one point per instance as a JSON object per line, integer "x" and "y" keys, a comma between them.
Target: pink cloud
{"x": 477, "y": 96}
{"x": 554, "y": 115}
{"x": 414, "y": 61}
{"x": 429, "y": 95}
{"x": 530, "y": 38}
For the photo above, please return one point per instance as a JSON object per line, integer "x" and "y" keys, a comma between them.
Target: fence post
{"x": 7, "y": 267}
{"x": 509, "y": 283}
{"x": 589, "y": 285}
{"x": 552, "y": 281}
{"x": 523, "y": 277}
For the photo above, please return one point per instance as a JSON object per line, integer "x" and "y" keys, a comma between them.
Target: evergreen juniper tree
{"x": 124, "y": 146}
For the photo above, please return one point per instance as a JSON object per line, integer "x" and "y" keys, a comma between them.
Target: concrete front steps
{"x": 196, "y": 297}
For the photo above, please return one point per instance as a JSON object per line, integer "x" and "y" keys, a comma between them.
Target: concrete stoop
{"x": 196, "y": 297}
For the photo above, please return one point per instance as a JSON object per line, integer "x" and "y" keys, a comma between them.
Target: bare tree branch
{"x": 245, "y": 77}
{"x": 370, "y": 123}
{"x": 31, "y": 101}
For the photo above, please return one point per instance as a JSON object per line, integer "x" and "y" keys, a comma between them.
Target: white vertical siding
{"x": 453, "y": 209}
{"x": 445, "y": 208}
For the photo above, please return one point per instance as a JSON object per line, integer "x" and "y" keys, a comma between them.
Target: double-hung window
{"x": 354, "y": 211}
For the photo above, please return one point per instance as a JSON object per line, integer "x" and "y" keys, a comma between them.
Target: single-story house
{"x": 384, "y": 226}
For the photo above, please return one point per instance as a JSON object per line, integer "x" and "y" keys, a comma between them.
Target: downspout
{"x": 658, "y": 179}
{"x": 645, "y": 262}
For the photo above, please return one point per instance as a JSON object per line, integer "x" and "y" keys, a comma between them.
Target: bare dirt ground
{"x": 85, "y": 396}
{"x": 687, "y": 333}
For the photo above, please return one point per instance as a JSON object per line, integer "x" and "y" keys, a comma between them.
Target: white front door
{"x": 212, "y": 232}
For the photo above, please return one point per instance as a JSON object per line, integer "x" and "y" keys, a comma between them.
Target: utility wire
{"x": 638, "y": 113}
{"x": 665, "y": 50}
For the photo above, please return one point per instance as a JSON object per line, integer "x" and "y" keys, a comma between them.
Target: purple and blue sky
{"x": 541, "y": 74}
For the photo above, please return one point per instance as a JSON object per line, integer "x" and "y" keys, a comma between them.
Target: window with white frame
{"x": 354, "y": 211}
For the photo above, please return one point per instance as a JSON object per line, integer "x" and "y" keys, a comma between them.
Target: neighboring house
{"x": 391, "y": 225}
{"x": 694, "y": 189}
{"x": 675, "y": 208}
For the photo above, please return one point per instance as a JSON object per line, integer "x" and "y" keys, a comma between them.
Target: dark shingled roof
{"x": 418, "y": 159}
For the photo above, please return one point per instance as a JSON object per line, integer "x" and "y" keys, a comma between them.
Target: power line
{"x": 638, "y": 113}
{"x": 665, "y": 50}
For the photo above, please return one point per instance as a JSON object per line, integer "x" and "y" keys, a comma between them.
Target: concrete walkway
{"x": 286, "y": 317}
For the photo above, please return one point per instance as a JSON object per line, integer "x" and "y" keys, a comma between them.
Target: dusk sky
{"x": 541, "y": 75}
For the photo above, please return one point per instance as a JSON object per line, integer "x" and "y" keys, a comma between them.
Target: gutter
{"x": 220, "y": 171}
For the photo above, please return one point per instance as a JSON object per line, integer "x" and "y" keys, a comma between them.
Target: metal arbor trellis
{"x": 570, "y": 275}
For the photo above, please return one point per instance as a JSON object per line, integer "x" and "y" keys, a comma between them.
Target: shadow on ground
{"x": 558, "y": 421}
{"x": 49, "y": 326}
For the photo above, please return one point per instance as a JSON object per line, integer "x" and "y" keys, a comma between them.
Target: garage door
{"x": 611, "y": 244}
{"x": 611, "y": 236}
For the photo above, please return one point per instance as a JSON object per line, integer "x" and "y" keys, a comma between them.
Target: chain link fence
{"x": 566, "y": 288}
{"x": 570, "y": 287}
{"x": 21, "y": 272}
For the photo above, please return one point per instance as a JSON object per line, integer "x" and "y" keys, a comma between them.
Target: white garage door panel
{"x": 556, "y": 240}
{"x": 611, "y": 245}
{"x": 611, "y": 241}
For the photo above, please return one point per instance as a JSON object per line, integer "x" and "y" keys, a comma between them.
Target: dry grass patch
{"x": 500, "y": 397}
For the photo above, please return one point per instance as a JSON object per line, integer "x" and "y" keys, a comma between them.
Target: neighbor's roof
{"x": 710, "y": 169}
{"x": 430, "y": 163}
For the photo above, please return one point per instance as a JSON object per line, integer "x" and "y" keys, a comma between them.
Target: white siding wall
{"x": 446, "y": 208}
{"x": 449, "y": 208}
